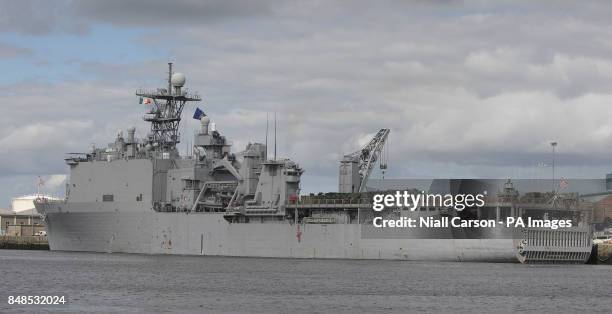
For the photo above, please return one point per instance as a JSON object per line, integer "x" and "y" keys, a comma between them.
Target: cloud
{"x": 38, "y": 148}
{"x": 45, "y": 135}
{"x": 18, "y": 185}
{"x": 43, "y": 121}
{"x": 39, "y": 17}
{"x": 133, "y": 12}
{"x": 467, "y": 88}
{"x": 54, "y": 182}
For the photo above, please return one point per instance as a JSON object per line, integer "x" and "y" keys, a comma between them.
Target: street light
{"x": 554, "y": 145}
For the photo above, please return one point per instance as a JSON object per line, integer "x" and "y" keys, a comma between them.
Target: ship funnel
{"x": 204, "y": 122}
{"x": 131, "y": 142}
{"x": 131, "y": 131}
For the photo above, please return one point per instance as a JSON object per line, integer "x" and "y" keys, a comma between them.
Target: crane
{"x": 355, "y": 168}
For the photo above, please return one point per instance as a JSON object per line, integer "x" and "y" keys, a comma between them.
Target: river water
{"x": 109, "y": 283}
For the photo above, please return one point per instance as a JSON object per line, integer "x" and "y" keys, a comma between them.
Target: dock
{"x": 604, "y": 254}
{"x": 24, "y": 242}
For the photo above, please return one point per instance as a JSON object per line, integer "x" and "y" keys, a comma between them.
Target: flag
{"x": 198, "y": 114}
{"x": 144, "y": 100}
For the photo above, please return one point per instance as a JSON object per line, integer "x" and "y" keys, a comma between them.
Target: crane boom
{"x": 355, "y": 168}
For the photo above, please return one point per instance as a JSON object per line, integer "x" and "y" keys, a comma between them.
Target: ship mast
{"x": 166, "y": 108}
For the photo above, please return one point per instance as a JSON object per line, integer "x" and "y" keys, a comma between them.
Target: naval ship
{"x": 140, "y": 195}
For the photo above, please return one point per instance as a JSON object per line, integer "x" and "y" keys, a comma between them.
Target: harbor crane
{"x": 355, "y": 168}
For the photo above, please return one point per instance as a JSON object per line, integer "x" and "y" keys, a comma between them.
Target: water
{"x": 143, "y": 283}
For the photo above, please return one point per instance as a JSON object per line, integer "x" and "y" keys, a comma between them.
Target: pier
{"x": 602, "y": 254}
{"x": 24, "y": 242}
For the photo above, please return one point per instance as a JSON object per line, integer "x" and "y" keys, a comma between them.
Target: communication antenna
{"x": 554, "y": 187}
{"x": 267, "y": 119}
{"x": 169, "y": 77}
{"x": 39, "y": 183}
{"x": 274, "y": 136}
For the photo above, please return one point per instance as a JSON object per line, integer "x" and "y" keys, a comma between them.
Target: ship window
{"x": 108, "y": 198}
{"x": 139, "y": 198}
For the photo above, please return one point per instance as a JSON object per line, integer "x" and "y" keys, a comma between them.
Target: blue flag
{"x": 198, "y": 114}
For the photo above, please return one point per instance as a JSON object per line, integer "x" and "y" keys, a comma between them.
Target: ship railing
{"x": 319, "y": 220}
{"x": 45, "y": 200}
{"x": 162, "y": 93}
{"x": 149, "y": 117}
{"x": 330, "y": 203}
{"x": 336, "y": 201}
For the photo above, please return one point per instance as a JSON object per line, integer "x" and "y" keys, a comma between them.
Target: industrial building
{"x": 21, "y": 219}
{"x": 19, "y": 223}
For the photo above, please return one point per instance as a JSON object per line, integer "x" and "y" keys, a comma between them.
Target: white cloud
{"x": 44, "y": 135}
{"x": 54, "y": 182}
{"x": 467, "y": 89}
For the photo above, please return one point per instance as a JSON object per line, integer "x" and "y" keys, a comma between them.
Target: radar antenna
{"x": 355, "y": 168}
{"x": 166, "y": 108}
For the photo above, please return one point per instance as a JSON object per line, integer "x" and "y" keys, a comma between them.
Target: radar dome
{"x": 178, "y": 79}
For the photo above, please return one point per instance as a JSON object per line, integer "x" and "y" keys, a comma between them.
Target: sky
{"x": 469, "y": 89}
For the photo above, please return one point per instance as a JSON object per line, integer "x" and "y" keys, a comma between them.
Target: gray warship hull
{"x": 83, "y": 227}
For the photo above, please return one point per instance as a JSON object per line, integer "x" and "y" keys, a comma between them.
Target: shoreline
{"x": 24, "y": 243}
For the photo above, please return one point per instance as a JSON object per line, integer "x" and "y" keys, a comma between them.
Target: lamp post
{"x": 554, "y": 145}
